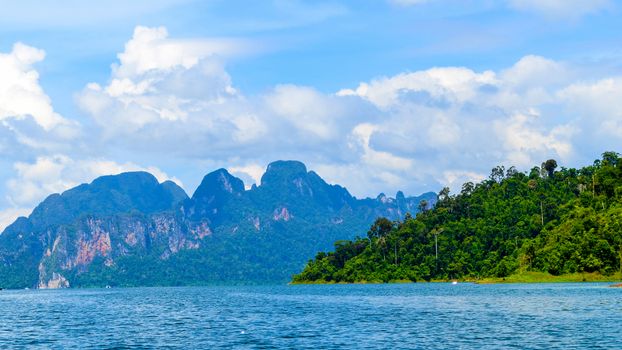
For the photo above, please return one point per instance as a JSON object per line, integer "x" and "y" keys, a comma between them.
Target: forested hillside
{"x": 551, "y": 220}
{"x": 131, "y": 230}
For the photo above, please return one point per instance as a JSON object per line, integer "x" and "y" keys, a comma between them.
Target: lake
{"x": 394, "y": 316}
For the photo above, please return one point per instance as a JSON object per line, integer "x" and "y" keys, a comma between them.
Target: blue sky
{"x": 377, "y": 95}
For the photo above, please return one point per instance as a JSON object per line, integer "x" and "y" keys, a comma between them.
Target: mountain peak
{"x": 209, "y": 199}
{"x": 283, "y": 170}
{"x": 131, "y": 178}
{"x": 108, "y": 195}
{"x": 289, "y": 166}
{"x": 93, "y": 233}
{"x": 218, "y": 182}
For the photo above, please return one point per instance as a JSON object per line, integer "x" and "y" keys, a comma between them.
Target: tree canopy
{"x": 556, "y": 221}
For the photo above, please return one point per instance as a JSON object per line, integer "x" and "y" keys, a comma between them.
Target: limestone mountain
{"x": 130, "y": 230}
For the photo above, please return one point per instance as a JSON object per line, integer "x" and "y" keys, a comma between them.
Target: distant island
{"x": 130, "y": 230}
{"x": 544, "y": 225}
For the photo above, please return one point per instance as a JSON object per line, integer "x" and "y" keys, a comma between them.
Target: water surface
{"x": 395, "y": 316}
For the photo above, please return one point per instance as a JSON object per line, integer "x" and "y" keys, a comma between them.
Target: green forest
{"x": 551, "y": 220}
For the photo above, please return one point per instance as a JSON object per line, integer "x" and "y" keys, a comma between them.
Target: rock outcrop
{"x": 130, "y": 230}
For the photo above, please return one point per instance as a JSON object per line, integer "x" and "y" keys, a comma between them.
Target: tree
{"x": 380, "y": 228}
{"x": 467, "y": 188}
{"x": 511, "y": 172}
{"x": 610, "y": 158}
{"x": 497, "y": 174}
{"x": 534, "y": 173}
{"x": 550, "y": 166}
{"x": 552, "y": 221}
{"x": 532, "y": 184}
{"x": 423, "y": 206}
{"x": 443, "y": 195}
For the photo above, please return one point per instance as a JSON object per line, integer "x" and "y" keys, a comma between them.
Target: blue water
{"x": 405, "y": 316}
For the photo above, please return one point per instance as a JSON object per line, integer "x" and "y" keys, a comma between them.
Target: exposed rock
{"x": 256, "y": 223}
{"x": 95, "y": 243}
{"x": 201, "y": 231}
{"x": 57, "y": 281}
{"x": 336, "y": 221}
{"x": 124, "y": 224}
{"x": 281, "y": 214}
{"x": 131, "y": 239}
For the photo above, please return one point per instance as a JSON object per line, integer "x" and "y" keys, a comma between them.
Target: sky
{"x": 375, "y": 95}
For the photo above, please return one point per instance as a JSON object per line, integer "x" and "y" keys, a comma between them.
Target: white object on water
{"x": 454, "y": 282}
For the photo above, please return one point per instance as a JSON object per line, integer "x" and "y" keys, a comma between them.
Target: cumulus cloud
{"x": 413, "y": 131}
{"x": 173, "y": 101}
{"x": 250, "y": 173}
{"x": 308, "y": 110}
{"x": 561, "y": 9}
{"x": 450, "y": 85}
{"x": 453, "y": 124}
{"x": 523, "y": 141}
{"x": 598, "y": 107}
{"x": 536, "y": 71}
{"x": 160, "y": 79}
{"x": 168, "y": 89}
{"x": 21, "y": 96}
{"x": 152, "y": 49}
{"x": 176, "y": 94}
{"x": 28, "y": 122}
{"x": 454, "y": 179}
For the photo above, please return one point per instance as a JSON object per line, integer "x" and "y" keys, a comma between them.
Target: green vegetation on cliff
{"x": 557, "y": 222}
{"x": 131, "y": 230}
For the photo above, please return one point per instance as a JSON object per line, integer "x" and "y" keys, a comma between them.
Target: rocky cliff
{"x": 130, "y": 230}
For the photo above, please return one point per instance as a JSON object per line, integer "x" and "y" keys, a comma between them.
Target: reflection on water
{"x": 404, "y": 316}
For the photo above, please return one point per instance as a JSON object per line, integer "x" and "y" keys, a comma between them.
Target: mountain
{"x": 130, "y": 230}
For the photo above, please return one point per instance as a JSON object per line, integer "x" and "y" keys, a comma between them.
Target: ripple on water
{"x": 404, "y": 316}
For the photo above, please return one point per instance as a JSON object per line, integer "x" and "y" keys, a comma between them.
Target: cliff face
{"x": 129, "y": 230}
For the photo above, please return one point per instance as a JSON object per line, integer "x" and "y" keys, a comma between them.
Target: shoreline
{"x": 525, "y": 277}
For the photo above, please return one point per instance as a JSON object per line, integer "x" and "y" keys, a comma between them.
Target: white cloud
{"x": 598, "y": 104}
{"x": 526, "y": 145}
{"x": 414, "y": 131}
{"x": 532, "y": 70}
{"x": 381, "y": 160}
{"x": 152, "y": 49}
{"x": 172, "y": 93}
{"x": 454, "y": 179}
{"x": 251, "y": 171}
{"x": 455, "y": 121}
{"x": 21, "y": 96}
{"x": 162, "y": 81}
{"x": 28, "y": 122}
{"x": 451, "y": 84}
{"x": 307, "y": 109}
{"x": 570, "y": 9}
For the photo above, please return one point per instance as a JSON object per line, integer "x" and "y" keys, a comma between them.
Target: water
{"x": 406, "y": 316}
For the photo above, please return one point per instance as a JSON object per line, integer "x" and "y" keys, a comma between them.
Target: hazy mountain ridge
{"x": 128, "y": 229}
